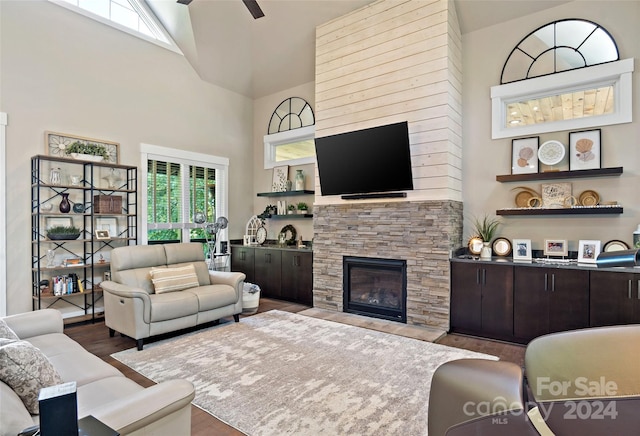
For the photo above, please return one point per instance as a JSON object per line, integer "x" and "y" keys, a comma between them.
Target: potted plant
{"x": 87, "y": 151}
{"x": 291, "y": 209}
{"x": 60, "y": 233}
{"x": 302, "y": 208}
{"x": 485, "y": 228}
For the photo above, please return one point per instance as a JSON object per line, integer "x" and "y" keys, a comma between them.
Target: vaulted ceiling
{"x": 228, "y": 48}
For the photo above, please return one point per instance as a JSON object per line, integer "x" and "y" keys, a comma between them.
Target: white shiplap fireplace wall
{"x": 388, "y": 62}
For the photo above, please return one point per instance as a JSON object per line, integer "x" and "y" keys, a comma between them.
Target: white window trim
{"x": 3, "y": 215}
{"x": 156, "y": 152}
{"x": 171, "y": 45}
{"x": 288, "y": 136}
{"x": 618, "y": 74}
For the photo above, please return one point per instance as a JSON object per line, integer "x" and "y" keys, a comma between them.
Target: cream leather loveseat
{"x": 156, "y": 289}
{"x": 34, "y": 350}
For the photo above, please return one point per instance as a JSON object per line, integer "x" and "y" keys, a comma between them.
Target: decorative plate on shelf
{"x": 615, "y": 245}
{"x": 551, "y": 152}
{"x": 589, "y": 198}
{"x": 475, "y": 245}
{"x": 502, "y": 246}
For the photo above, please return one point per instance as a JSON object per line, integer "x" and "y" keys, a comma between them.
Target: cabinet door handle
{"x": 629, "y": 289}
{"x": 638, "y": 289}
{"x": 553, "y": 282}
{"x": 484, "y": 276}
{"x": 267, "y": 257}
{"x": 546, "y": 280}
{"x": 478, "y": 276}
{"x": 296, "y": 260}
{"x": 243, "y": 255}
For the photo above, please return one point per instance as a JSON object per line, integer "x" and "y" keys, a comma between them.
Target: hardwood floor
{"x": 95, "y": 338}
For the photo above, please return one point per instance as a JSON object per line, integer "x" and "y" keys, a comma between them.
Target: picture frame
{"x": 556, "y": 247}
{"x": 588, "y": 251}
{"x": 58, "y": 222}
{"x": 280, "y": 178}
{"x": 585, "y": 150}
{"x": 521, "y": 249}
{"x": 554, "y": 195}
{"x": 107, "y": 223}
{"x": 56, "y": 142}
{"x": 524, "y": 155}
{"x": 103, "y": 234}
{"x": 106, "y": 276}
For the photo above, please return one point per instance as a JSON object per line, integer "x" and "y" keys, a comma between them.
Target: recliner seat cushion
{"x": 172, "y": 305}
{"x": 213, "y": 296}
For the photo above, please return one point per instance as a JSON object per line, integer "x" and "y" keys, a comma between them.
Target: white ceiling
{"x": 228, "y": 48}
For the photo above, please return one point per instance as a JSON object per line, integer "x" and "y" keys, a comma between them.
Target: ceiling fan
{"x": 252, "y": 5}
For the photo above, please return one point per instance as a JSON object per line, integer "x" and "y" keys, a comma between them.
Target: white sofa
{"x": 102, "y": 390}
{"x": 135, "y": 307}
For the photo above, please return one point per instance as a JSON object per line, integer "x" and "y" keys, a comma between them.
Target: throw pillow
{"x": 174, "y": 279}
{"x": 6, "y": 332}
{"x": 26, "y": 370}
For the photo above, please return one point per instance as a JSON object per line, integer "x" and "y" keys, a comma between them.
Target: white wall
{"x": 263, "y": 108}
{"x": 66, "y": 73}
{"x": 484, "y": 54}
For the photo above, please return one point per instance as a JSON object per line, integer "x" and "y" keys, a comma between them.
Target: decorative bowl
{"x": 63, "y": 236}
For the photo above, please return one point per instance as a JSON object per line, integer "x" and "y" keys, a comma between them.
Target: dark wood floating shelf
{"x": 285, "y": 193}
{"x": 562, "y": 211}
{"x": 551, "y": 175}
{"x": 290, "y": 216}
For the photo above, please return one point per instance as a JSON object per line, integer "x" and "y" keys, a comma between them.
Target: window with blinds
{"x": 177, "y": 188}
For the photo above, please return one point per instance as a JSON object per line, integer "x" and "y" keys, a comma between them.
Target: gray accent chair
{"x": 581, "y": 382}
{"x": 134, "y": 309}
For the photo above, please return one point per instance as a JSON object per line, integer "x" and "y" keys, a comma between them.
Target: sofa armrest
{"x": 233, "y": 279}
{"x": 147, "y": 406}
{"x": 118, "y": 290}
{"x": 39, "y": 322}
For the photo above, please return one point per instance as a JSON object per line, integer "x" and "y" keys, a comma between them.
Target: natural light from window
{"x": 131, "y": 16}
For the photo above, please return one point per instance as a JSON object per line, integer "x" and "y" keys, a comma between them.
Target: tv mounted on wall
{"x": 369, "y": 163}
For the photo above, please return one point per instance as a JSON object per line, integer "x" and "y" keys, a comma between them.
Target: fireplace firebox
{"x": 375, "y": 287}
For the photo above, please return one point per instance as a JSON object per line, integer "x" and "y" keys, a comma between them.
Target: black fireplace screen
{"x": 375, "y": 287}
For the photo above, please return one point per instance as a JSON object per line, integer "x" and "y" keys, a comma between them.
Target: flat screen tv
{"x": 374, "y": 160}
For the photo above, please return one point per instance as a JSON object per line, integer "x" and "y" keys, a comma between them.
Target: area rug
{"x": 279, "y": 373}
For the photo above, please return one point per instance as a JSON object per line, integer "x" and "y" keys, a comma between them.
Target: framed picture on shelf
{"x": 554, "y": 195}
{"x": 107, "y": 223}
{"x": 555, "y": 247}
{"x": 524, "y": 155}
{"x": 58, "y": 222}
{"x": 521, "y": 249}
{"x": 585, "y": 150}
{"x": 57, "y": 143}
{"x": 102, "y": 234}
{"x": 280, "y": 178}
{"x": 588, "y": 251}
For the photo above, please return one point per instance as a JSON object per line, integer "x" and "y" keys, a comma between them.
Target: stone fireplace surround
{"x": 423, "y": 233}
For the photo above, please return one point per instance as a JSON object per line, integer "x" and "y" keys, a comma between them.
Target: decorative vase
{"x": 299, "y": 180}
{"x": 65, "y": 205}
{"x": 78, "y": 208}
{"x": 485, "y": 253}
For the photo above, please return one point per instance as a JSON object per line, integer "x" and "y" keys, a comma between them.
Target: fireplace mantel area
{"x": 422, "y": 233}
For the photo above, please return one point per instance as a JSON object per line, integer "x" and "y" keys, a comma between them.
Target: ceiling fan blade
{"x": 184, "y": 2}
{"x": 253, "y": 7}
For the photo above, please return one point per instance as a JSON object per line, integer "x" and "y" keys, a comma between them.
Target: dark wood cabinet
{"x": 548, "y": 300}
{"x": 297, "y": 277}
{"x": 267, "y": 269}
{"x": 482, "y": 299}
{"x": 615, "y": 298}
{"x": 281, "y": 273}
{"x": 242, "y": 260}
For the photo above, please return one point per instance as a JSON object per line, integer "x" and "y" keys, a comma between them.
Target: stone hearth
{"x": 423, "y": 233}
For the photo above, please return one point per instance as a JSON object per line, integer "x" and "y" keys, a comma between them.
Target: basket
{"x": 107, "y": 204}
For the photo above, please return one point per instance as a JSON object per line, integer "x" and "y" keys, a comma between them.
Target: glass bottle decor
{"x": 55, "y": 177}
{"x": 299, "y": 180}
{"x": 65, "y": 206}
